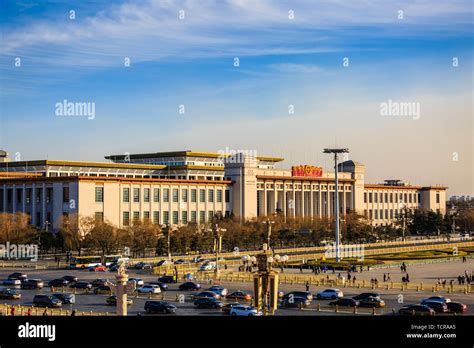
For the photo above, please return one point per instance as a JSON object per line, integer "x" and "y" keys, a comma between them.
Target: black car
{"x": 189, "y": 286}
{"x": 159, "y": 307}
{"x": 295, "y": 302}
{"x": 82, "y": 285}
{"x": 17, "y": 275}
{"x": 415, "y": 310}
{"x": 304, "y": 294}
{"x": 438, "y": 307}
{"x": 46, "y": 301}
{"x": 70, "y": 279}
{"x": 456, "y": 307}
{"x": 66, "y": 298}
{"x": 208, "y": 302}
{"x": 365, "y": 295}
{"x": 347, "y": 302}
{"x": 166, "y": 279}
{"x": 58, "y": 283}
{"x": 33, "y": 284}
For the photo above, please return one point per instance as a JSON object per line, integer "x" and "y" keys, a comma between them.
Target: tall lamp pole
{"x": 336, "y": 205}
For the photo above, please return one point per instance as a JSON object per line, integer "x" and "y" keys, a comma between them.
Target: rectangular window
{"x": 28, "y": 196}
{"x": 193, "y": 195}
{"x": 184, "y": 195}
{"x": 365, "y": 213}
{"x": 193, "y": 216}
{"x": 370, "y": 214}
{"x": 156, "y": 195}
{"x": 38, "y": 196}
{"x": 419, "y": 198}
{"x": 175, "y": 195}
{"x": 219, "y": 196}
{"x": 49, "y": 195}
{"x": 386, "y": 198}
{"x": 166, "y": 217}
{"x": 126, "y": 218}
{"x": 99, "y": 194}
{"x": 184, "y": 217}
{"x": 437, "y": 197}
{"x": 376, "y": 197}
{"x": 136, "y": 195}
{"x": 210, "y": 197}
{"x": 126, "y": 195}
{"x": 365, "y": 197}
{"x": 410, "y": 196}
{"x": 370, "y": 197}
{"x": 65, "y": 194}
{"x": 227, "y": 196}
{"x": 146, "y": 195}
{"x": 376, "y": 212}
{"x": 202, "y": 196}
{"x": 391, "y": 198}
{"x": 210, "y": 215}
{"x": 136, "y": 216}
{"x": 166, "y": 195}
{"x": 202, "y": 217}
{"x": 99, "y": 216}
{"x": 175, "y": 217}
{"x": 391, "y": 213}
{"x": 156, "y": 217}
{"x": 146, "y": 216}
{"x": 405, "y": 200}
{"x": 381, "y": 214}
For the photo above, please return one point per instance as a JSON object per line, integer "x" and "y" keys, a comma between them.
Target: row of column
{"x": 33, "y": 204}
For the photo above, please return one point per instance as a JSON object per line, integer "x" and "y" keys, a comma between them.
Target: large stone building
{"x": 187, "y": 186}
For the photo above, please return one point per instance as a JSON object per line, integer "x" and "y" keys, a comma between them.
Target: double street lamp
{"x": 336, "y": 152}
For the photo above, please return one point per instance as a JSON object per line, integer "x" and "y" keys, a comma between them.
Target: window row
{"x": 165, "y": 218}
{"x": 164, "y": 195}
{"x": 376, "y": 197}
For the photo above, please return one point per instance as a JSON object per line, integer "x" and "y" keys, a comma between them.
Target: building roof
{"x": 382, "y": 186}
{"x": 81, "y": 164}
{"x": 185, "y": 153}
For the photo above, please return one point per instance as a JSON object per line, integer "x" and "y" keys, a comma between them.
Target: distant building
{"x": 188, "y": 186}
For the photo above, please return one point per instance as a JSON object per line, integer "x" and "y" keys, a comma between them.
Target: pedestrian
{"x": 408, "y": 278}
{"x": 307, "y": 286}
{"x": 353, "y": 280}
{"x": 45, "y": 313}
{"x": 384, "y": 277}
{"x": 301, "y": 268}
{"x": 73, "y": 313}
{"x": 348, "y": 276}
{"x": 281, "y": 268}
{"x": 12, "y": 311}
{"x": 388, "y": 276}
{"x": 28, "y": 313}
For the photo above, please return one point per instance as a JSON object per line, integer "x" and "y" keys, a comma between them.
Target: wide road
{"x": 394, "y": 299}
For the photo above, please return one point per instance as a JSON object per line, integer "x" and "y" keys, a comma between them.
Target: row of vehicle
{"x": 432, "y": 305}
{"x": 233, "y": 309}
{"x": 304, "y": 298}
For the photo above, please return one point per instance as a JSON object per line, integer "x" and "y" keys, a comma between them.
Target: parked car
{"x": 163, "y": 286}
{"x": 138, "y": 281}
{"x": 58, "y": 283}
{"x": 346, "y": 302}
{"x": 112, "y": 300}
{"x": 99, "y": 282}
{"x": 295, "y": 302}
{"x": 305, "y": 294}
{"x": 166, "y": 279}
{"x": 66, "y": 298}
{"x": 46, "y": 301}
{"x": 456, "y": 307}
{"x": 159, "y": 307}
{"x": 98, "y": 268}
{"x": 239, "y": 295}
{"x": 246, "y": 311}
{"x": 437, "y": 306}
{"x": 181, "y": 262}
{"x": 202, "y": 294}
{"x": 436, "y": 298}
{"x": 102, "y": 290}
{"x": 329, "y": 294}
{"x": 12, "y": 282}
{"x": 82, "y": 285}
{"x": 209, "y": 266}
{"x": 208, "y": 302}
{"x": 372, "y": 302}
{"x": 149, "y": 288}
{"x": 70, "y": 279}
{"x": 18, "y": 275}
{"x": 143, "y": 265}
{"x": 9, "y": 294}
{"x": 228, "y": 306}
{"x": 366, "y": 295}
{"x": 189, "y": 286}
{"x": 34, "y": 284}
{"x": 163, "y": 263}
{"x": 416, "y": 310}
{"x": 219, "y": 290}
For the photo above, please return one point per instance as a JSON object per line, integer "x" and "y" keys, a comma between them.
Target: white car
{"x": 329, "y": 294}
{"x": 12, "y": 282}
{"x": 138, "y": 281}
{"x": 244, "y": 311}
{"x": 154, "y": 289}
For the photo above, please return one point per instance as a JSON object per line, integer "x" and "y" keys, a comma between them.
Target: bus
{"x": 92, "y": 261}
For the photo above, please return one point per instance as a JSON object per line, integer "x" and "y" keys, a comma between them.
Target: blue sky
{"x": 283, "y": 62}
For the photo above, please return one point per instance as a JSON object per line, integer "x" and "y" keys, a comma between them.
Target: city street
{"x": 394, "y": 299}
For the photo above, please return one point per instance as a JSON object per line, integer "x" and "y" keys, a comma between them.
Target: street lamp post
{"x": 216, "y": 230}
{"x": 269, "y": 223}
{"x": 336, "y": 204}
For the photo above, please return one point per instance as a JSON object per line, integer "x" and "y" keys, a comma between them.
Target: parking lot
{"x": 394, "y": 299}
